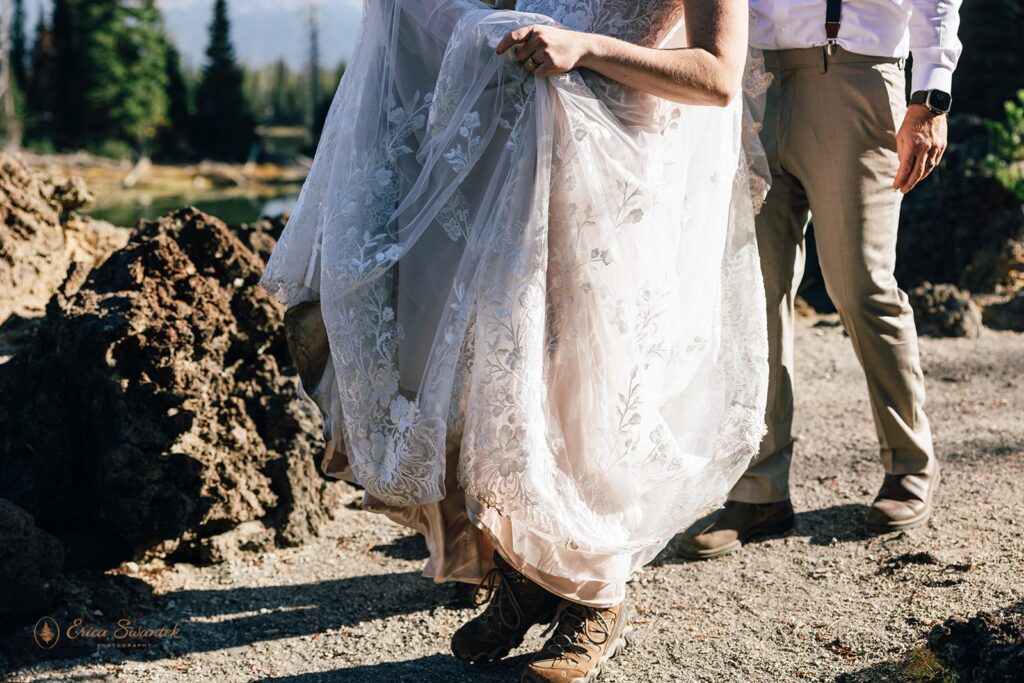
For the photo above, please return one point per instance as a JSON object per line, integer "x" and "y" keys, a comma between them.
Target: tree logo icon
{"x": 46, "y": 632}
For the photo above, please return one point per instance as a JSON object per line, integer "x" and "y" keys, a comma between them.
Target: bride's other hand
{"x": 545, "y": 50}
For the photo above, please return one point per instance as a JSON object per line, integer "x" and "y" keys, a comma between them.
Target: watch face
{"x": 940, "y": 100}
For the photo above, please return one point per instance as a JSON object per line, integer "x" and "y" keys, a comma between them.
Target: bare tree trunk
{"x": 314, "y": 65}
{"x": 12, "y": 129}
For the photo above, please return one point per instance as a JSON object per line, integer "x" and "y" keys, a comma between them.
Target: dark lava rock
{"x": 30, "y": 564}
{"x": 262, "y": 235}
{"x": 157, "y": 409}
{"x": 986, "y": 647}
{"x": 960, "y": 224}
{"x": 87, "y": 601}
{"x": 72, "y": 194}
{"x": 32, "y": 254}
{"x": 1007, "y": 315}
{"x": 943, "y": 310}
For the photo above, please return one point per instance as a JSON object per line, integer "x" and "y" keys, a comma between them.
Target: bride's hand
{"x": 545, "y": 50}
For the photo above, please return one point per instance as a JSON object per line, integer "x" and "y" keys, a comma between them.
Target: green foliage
{"x": 924, "y": 667}
{"x": 279, "y": 96}
{"x": 40, "y": 92}
{"x": 19, "y": 46}
{"x": 1007, "y": 158}
{"x": 174, "y": 136}
{"x": 111, "y": 149}
{"x": 224, "y": 127}
{"x": 111, "y": 72}
{"x": 17, "y": 56}
{"x": 68, "y": 96}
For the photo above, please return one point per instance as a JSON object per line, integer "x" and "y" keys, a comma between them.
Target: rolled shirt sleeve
{"x": 934, "y": 43}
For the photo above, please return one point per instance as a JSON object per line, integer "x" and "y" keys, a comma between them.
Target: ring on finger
{"x": 534, "y": 62}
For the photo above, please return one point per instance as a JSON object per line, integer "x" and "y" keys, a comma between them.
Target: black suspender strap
{"x": 833, "y": 16}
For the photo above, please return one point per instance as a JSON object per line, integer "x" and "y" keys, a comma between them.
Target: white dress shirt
{"x": 880, "y": 28}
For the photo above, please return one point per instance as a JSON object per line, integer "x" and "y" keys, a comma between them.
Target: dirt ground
{"x": 827, "y": 602}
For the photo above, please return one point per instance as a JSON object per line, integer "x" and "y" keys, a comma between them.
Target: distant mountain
{"x": 263, "y": 30}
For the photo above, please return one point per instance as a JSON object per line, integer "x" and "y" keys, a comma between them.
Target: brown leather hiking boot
{"x": 727, "y": 529}
{"x": 515, "y": 604}
{"x": 904, "y": 502}
{"x": 585, "y": 638}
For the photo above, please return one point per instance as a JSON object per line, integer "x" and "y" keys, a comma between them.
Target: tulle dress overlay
{"x": 529, "y": 310}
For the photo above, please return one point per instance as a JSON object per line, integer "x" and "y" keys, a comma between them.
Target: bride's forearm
{"x": 709, "y": 71}
{"x": 687, "y": 75}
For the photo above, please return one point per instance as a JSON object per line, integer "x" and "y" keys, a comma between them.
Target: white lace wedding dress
{"x": 530, "y": 311}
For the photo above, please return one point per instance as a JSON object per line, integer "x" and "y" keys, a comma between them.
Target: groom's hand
{"x": 920, "y": 144}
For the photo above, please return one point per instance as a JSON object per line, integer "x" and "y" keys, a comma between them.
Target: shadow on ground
{"x": 840, "y": 523}
{"x": 275, "y": 612}
{"x": 422, "y": 670}
{"x": 410, "y": 548}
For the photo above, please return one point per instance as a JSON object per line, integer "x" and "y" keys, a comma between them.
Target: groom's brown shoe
{"x": 904, "y": 502}
{"x": 727, "y": 529}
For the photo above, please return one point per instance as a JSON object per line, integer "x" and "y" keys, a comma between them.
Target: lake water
{"x": 231, "y": 210}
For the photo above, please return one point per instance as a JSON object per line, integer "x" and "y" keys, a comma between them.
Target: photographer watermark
{"x": 124, "y": 633}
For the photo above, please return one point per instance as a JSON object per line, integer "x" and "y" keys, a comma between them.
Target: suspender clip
{"x": 833, "y": 19}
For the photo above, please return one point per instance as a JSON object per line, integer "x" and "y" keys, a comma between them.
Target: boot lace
{"x": 504, "y": 608}
{"x": 575, "y": 626}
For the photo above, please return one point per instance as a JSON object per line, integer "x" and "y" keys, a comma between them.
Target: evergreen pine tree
{"x": 19, "y": 47}
{"x": 285, "y": 96}
{"x": 109, "y": 71}
{"x": 174, "y": 137}
{"x": 41, "y": 89}
{"x": 68, "y": 85}
{"x": 328, "y": 88}
{"x": 224, "y": 124}
{"x": 125, "y": 76}
{"x": 10, "y": 125}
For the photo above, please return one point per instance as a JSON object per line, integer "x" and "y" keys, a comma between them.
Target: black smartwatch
{"x": 937, "y": 101}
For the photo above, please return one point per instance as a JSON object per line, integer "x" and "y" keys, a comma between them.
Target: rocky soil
{"x": 824, "y": 603}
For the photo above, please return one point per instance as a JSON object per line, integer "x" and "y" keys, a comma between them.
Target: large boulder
{"x": 30, "y": 564}
{"x": 961, "y": 225}
{"x": 32, "y": 246}
{"x": 943, "y": 310}
{"x": 42, "y": 233}
{"x": 986, "y": 647}
{"x": 156, "y": 411}
{"x": 1006, "y": 315}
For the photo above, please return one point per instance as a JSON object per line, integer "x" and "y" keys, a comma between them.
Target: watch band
{"x": 937, "y": 101}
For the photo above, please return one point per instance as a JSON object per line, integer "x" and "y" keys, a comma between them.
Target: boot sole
{"x": 914, "y": 523}
{"x": 490, "y": 656}
{"x": 766, "y": 530}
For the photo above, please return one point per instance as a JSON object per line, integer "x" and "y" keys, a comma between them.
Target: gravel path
{"x": 826, "y": 602}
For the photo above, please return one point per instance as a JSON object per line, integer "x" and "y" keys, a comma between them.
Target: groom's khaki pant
{"x": 830, "y": 135}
